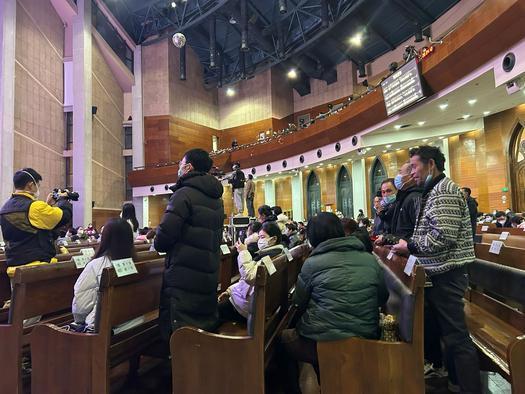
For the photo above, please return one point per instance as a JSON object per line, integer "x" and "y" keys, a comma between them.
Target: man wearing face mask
{"x": 406, "y": 207}
{"x": 190, "y": 232}
{"x": 28, "y": 223}
{"x": 387, "y": 205}
{"x": 442, "y": 243}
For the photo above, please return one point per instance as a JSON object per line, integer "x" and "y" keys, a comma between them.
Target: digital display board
{"x": 403, "y": 88}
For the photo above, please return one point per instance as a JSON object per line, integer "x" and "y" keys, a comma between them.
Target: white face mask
{"x": 262, "y": 243}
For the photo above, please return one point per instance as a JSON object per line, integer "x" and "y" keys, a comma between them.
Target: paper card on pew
{"x": 161, "y": 253}
{"x": 81, "y": 261}
{"x": 267, "y": 261}
{"x": 390, "y": 255}
{"x": 79, "y": 241}
{"x": 495, "y": 247}
{"x": 484, "y": 228}
{"x": 65, "y": 243}
{"x": 225, "y": 249}
{"x": 288, "y": 254}
{"x": 124, "y": 267}
{"x": 410, "y": 265}
{"x": 89, "y": 252}
{"x": 504, "y": 235}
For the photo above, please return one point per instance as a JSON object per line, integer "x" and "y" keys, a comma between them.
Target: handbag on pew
{"x": 389, "y": 328}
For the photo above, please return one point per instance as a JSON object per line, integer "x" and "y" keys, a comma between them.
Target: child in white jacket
{"x": 235, "y": 302}
{"x": 117, "y": 243}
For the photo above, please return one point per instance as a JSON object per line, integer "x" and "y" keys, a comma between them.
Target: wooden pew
{"x": 496, "y": 327}
{"x": 498, "y": 230}
{"x": 44, "y": 290}
{"x": 511, "y": 257}
{"x": 513, "y": 240}
{"x": 357, "y": 365}
{"x": 84, "y": 361}
{"x": 204, "y": 362}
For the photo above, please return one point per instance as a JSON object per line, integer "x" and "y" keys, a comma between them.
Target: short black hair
{"x": 265, "y": 210}
{"x": 388, "y": 180}
{"x": 199, "y": 159}
{"x": 349, "y": 225}
{"x": 255, "y": 226}
{"x": 273, "y": 230}
{"x": 467, "y": 189}
{"x": 277, "y": 210}
{"x": 427, "y": 152}
{"x": 250, "y": 176}
{"x": 324, "y": 226}
{"x": 516, "y": 219}
{"x": 291, "y": 226}
{"x": 22, "y": 177}
{"x": 500, "y": 214}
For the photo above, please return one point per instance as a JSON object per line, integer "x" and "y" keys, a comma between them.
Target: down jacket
{"x": 190, "y": 233}
{"x": 340, "y": 289}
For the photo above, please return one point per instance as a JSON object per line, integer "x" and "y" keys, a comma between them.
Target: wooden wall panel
{"x": 283, "y": 193}
{"x": 259, "y": 195}
{"x": 101, "y": 215}
{"x": 157, "y": 207}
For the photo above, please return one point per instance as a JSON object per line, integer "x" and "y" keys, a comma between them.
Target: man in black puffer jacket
{"x": 191, "y": 232}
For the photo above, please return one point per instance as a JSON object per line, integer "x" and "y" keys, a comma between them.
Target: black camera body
{"x": 71, "y": 196}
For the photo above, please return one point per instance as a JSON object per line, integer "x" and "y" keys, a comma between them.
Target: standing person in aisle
{"x": 190, "y": 232}
{"x": 249, "y": 190}
{"x": 442, "y": 243}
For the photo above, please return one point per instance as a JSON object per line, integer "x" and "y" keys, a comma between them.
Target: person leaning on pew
{"x": 442, "y": 242}
{"x": 338, "y": 294}
{"x": 28, "y": 223}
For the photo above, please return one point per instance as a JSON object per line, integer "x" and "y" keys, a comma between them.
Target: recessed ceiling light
{"x": 486, "y": 113}
{"x": 292, "y": 73}
{"x": 368, "y": 149}
{"x": 472, "y": 101}
{"x": 305, "y": 166}
{"x": 424, "y": 139}
{"x": 397, "y": 126}
{"x": 173, "y": 4}
{"x": 441, "y": 137}
{"x": 385, "y": 151}
{"x": 230, "y": 92}
{"x": 388, "y": 146}
{"x": 466, "y": 116}
{"x": 398, "y": 149}
{"x": 421, "y": 123}
{"x": 356, "y": 40}
{"x": 280, "y": 172}
{"x": 320, "y": 164}
{"x": 443, "y": 106}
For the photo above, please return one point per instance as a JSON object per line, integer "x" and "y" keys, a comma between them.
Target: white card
{"x": 124, "y": 267}
{"x": 504, "y": 235}
{"x": 161, "y": 253}
{"x": 79, "y": 241}
{"x": 495, "y": 247}
{"x": 90, "y": 252}
{"x": 2, "y": 244}
{"x": 288, "y": 254}
{"x": 225, "y": 249}
{"x": 65, "y": 243}
{"x": 390, "y": 255}
{"x": 81, "y": 261}
{"x": 410, "y": 265}
{"x": 484, "y": 228}
{"x": 267, "y": 261}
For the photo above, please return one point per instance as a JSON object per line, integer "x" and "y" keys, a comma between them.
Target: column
{"x": 446, "y": 152}
{"x": 82, "y": 117}
{"x": 359, "y": 186}
{"x": 269, "y": 192}
{"x": 298, "y": 197}
{"x": 7, "y": 96}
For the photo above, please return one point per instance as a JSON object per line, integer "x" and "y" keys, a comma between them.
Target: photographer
{"x": 28, "y": 223}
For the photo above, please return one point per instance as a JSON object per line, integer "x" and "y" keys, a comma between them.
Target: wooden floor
{"x": 156, "y": 379}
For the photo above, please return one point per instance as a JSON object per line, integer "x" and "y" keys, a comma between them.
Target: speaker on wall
{"x": 94, "y": 110}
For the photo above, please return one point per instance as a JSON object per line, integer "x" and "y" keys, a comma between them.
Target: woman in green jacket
{"x": 338, "y": 294}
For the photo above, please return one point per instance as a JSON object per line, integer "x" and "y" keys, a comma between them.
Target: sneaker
{"x": 431, "y": 372}
{"x": 453, "y": 388}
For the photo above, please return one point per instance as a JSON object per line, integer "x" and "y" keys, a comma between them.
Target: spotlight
{"x": 393, "y": 67}
{"x": 173, "y": 4}
{"x": 362, "y": 71}
{"x": 418, "y": 33}
{"x": 283, "y": 9}
{"x": 292, "y": 73}
{"x": 230, "y": 92}
{"x": 356, "y": 40}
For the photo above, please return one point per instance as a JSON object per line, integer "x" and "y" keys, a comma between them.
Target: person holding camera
{"x": 237, "y": 181}
{"x": 28, "y": 223}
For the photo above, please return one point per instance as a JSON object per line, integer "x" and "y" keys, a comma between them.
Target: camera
{"x": 71, "y": 196}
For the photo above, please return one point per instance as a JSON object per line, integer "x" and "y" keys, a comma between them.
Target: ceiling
{"x": 311, "y": 36}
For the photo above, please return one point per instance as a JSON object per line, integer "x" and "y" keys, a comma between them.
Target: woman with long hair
{"x": 128, "y": 214}
{"x": 116, "y": 244}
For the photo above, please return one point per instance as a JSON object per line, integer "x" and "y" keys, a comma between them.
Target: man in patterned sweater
{"x": 442, "y": 243}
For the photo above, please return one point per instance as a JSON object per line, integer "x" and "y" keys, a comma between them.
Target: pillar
{"x": 359, "y": 186}
{"x": 269, "y": 192}
{"x": 82, "y": 116}
{"x": 444, "y": 148}
{"x": 298, "y": 197}
{"x": 7, "y": 96}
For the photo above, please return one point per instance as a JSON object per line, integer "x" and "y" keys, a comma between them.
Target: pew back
{"x": 508, "y": 256}
{"x": 516, "y": 241}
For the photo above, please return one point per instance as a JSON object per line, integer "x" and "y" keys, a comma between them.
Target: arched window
{"x": 517, "y": 168}
{"x": 377, "y": 175}
{"x": 344, "y": 193}
{"x": 313, "y": 191}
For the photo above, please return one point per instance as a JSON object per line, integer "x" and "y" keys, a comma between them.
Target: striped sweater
{"x": 442, "y": 238}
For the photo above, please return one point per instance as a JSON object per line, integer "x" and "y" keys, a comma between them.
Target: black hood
{"x": 201, "y": 181}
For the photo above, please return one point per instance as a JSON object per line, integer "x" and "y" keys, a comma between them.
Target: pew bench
{"x": 85, "y": 360}
{"x": 508, "y": 256}
{"x": 519, "y": 232}
{"x": 516, "y": 241}
{"x": 494, "y": 309}
{"x": 204, "y": 362}
{"x": 357, "y": 365}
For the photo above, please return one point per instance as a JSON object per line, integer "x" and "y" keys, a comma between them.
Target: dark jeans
{"x": 295, "y": 348}
{"x": 227, "y": 312}
{"x": 249, "y": 206}
{"x": 445, "y": 304}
